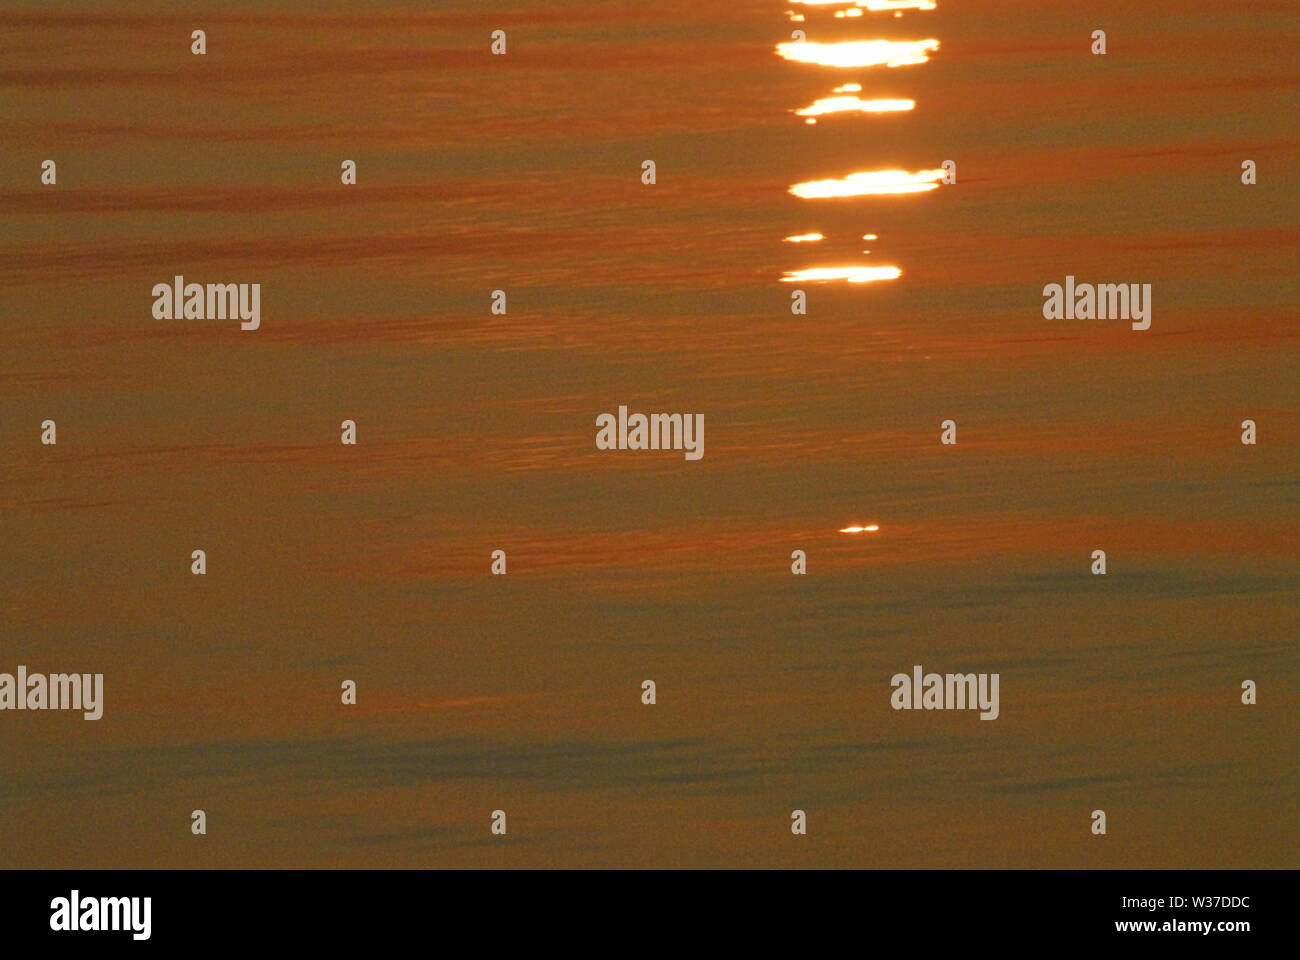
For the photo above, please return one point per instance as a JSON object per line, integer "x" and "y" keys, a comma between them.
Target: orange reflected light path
{"x": 851, "y": 274}
{"x": 844, "y": 104}
{"x": 869, "y": 182}
{"x": 858, "y": 53}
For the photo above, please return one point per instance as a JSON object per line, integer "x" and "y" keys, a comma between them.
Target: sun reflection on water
{"x": 847, "y": 104}
{"x": 870, "y": 182}
{"x": 852, "y": 274}
{"x": 846, "y": 100}
{"x": 858, "y": 53}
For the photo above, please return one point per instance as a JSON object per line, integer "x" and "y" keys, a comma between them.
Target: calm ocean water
{"x": 476, "y": 433}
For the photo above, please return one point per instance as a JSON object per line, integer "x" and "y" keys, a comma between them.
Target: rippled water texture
{"x": 476, "y": 433}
